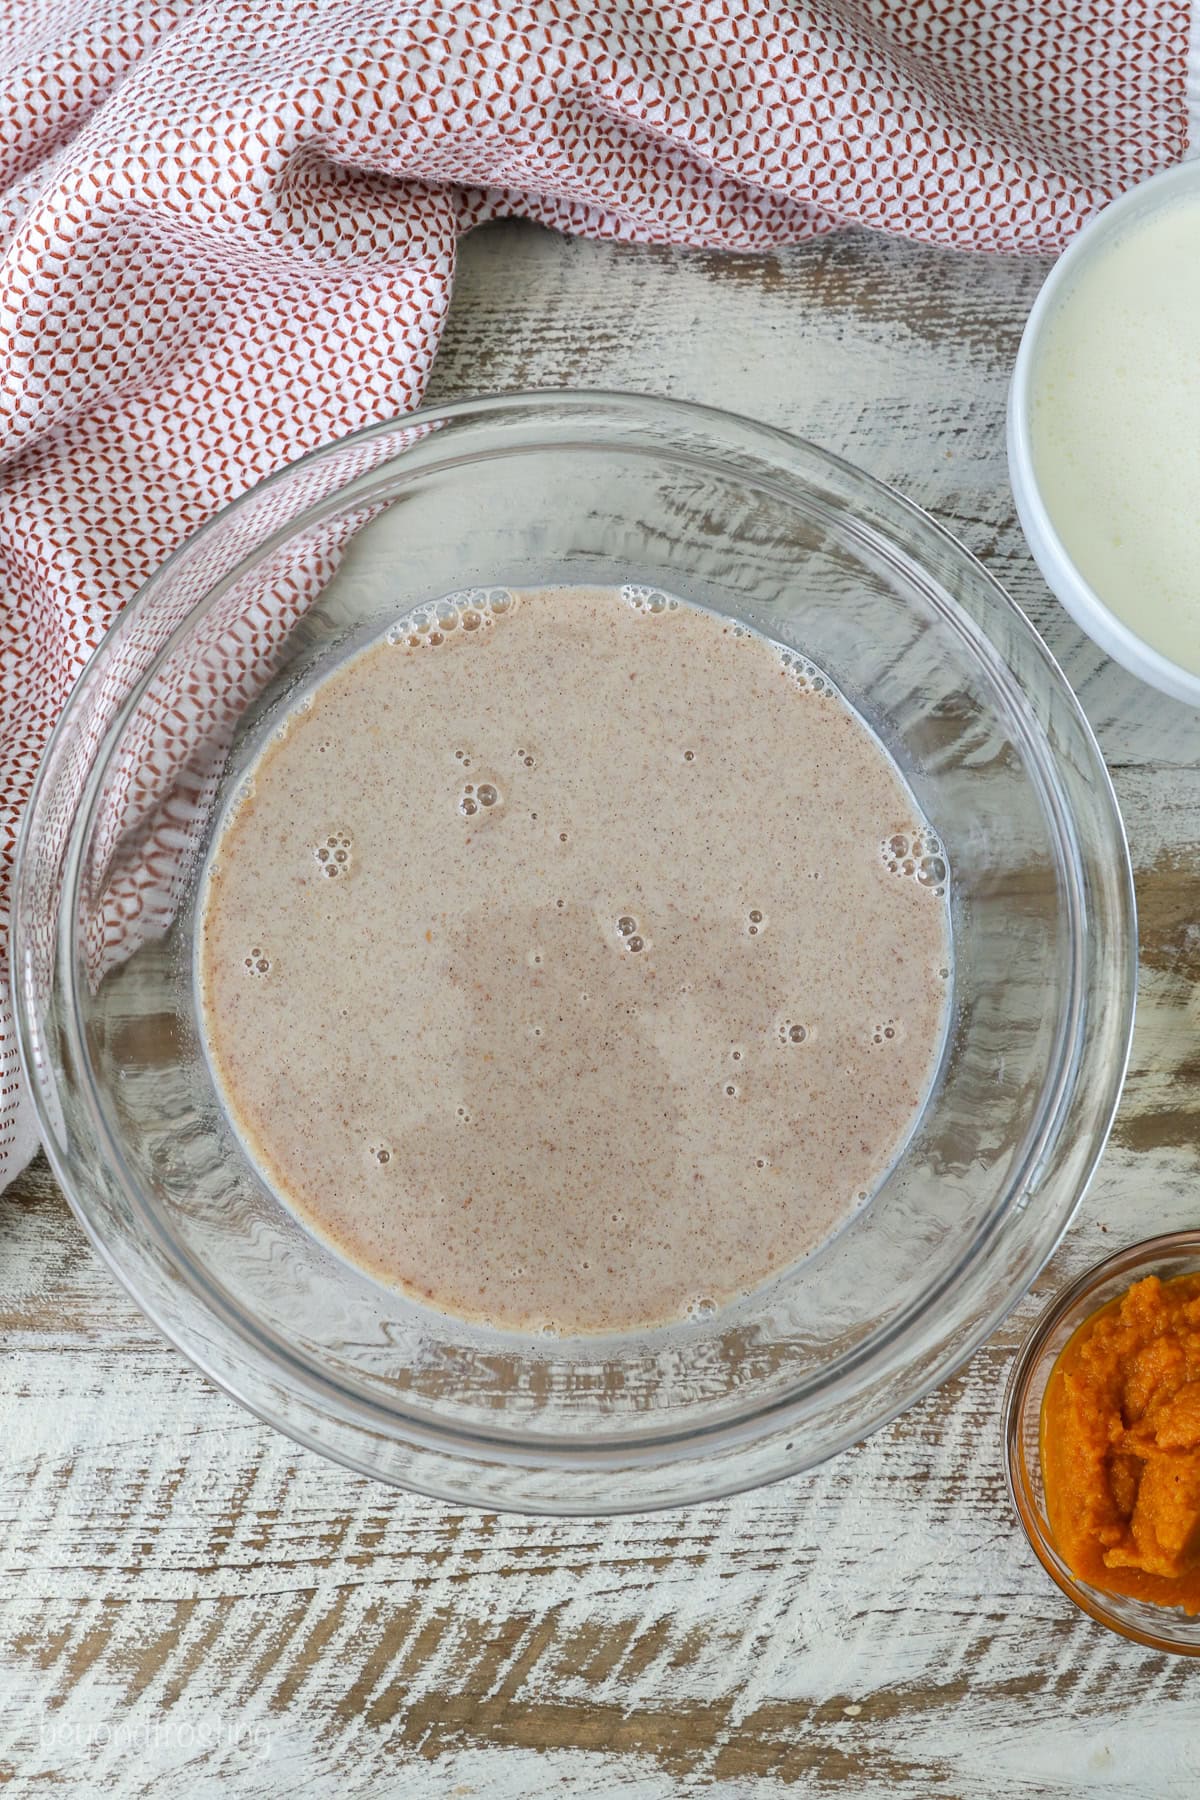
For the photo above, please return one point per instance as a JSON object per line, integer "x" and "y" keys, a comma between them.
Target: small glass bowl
{"x": 1176, "y": 1253}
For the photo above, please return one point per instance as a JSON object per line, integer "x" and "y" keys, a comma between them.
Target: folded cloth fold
{"x": 228, "y": 227}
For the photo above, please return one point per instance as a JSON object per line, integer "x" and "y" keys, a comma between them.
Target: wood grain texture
{"x": 190, "y": 1605}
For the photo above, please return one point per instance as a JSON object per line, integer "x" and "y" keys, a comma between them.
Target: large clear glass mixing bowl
{"x": 522, "y": 490}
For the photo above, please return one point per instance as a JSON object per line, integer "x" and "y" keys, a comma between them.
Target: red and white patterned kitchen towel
{"x": 227, "y": 227}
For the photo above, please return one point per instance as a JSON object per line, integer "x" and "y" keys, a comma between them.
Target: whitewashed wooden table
{"x": 190, "y": 1605}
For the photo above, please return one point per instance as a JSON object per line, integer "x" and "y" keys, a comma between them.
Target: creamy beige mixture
{"x": 575, "y": 959}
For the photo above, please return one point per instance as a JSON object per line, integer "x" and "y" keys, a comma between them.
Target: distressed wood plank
{"x": 894, "y": 355}
{"x": 235, "y": 1614}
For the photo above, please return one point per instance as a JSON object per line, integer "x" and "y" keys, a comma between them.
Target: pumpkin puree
{"x": 1121, "y": 1445}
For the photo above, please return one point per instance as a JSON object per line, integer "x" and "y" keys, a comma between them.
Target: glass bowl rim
{"x": 1089, "y": 1600}
{"x": 734, "y": 436}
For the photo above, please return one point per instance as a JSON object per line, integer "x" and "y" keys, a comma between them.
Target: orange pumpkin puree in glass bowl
{"x": 1120, "y": 1445}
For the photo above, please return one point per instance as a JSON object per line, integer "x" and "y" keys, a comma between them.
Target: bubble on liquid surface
{"x": 414, "y": 629}
{"x": 472, "y": 609}
{"x": 702, "y": 1307}
{"x": 791, "y": 1032}
{"x": 380, "y": 1154}
{"x": 472, "y": 797}
{"x": 258, "y": 962}
{"x": 334, "y": 855}
{"x": 485, "y": 604}
{"x": 648, "y": 600}
{"x": 428, "y": 626}
{"x": 918, "y": 854}
{"x": 804, "y": 676}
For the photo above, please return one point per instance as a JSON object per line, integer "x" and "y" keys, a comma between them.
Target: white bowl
{"x": 1053, "y": 559}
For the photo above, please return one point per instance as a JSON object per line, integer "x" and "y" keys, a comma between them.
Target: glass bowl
{"x": 1177, "y": 1253}
{"x": 551, "y": 488}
